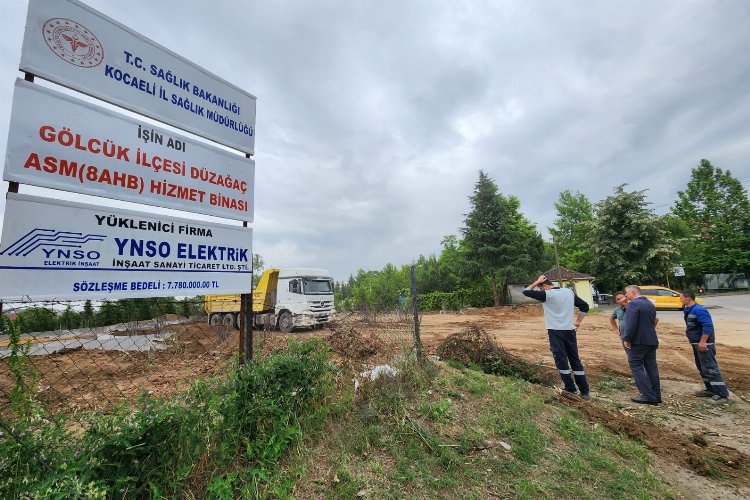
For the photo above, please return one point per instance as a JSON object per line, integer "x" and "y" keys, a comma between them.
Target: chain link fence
{"x": 125, "y": 349}
{"x": 77, "y": 357}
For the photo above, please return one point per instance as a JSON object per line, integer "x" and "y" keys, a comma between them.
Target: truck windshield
{"x": 316, "y": 287}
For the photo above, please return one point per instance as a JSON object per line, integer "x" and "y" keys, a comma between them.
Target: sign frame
{"x": 74, "y": 45}
{"x": 58, "y": 141}
{"x": 60, "y": 250}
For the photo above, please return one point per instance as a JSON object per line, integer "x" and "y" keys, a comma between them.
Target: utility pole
{"x": 554, "y": 244}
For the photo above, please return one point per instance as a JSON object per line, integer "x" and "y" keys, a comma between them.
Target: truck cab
{"x": 304, "y": 297}
{"x": 284, "y": 298}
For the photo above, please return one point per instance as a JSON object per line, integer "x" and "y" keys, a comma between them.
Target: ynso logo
{"x": 73, "y": 43}
{"x": 54, "y": 244}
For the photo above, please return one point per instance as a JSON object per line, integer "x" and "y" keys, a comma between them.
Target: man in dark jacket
{"x": 699, "y": 328}
{"x": 558, "y": 318}
{"x": 640, "y": 338}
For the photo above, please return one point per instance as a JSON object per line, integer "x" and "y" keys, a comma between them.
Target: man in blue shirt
{"x": 640, "y": 338}
{"x": 699, "y": 328}
{"x": 561, "y": 328}
{"x": 617, "y": 319}
{"x": 618, "y": 315}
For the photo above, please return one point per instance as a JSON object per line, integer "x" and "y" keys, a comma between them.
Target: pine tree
{"x": 87, "y": 315}
{"x": 497, "y": 238}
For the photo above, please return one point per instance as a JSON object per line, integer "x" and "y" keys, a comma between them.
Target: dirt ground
{"x": 522, "y": 332}
{"x": 686, "y": 433}
{"x": 704, "y": 451}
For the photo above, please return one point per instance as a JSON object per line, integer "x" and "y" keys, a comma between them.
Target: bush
{"x": 37, "y": 319}
{"x": 454, "y": 301}
{"x": 240, "y": 425}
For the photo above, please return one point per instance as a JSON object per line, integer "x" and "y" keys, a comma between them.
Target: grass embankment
{"x": 464, "y": 434}
{"x": 289, "y": 425}
{"x": 221, "y": 438}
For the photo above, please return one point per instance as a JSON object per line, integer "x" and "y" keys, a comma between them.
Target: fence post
{"x": 246, "y": 315}
{"x": 246, "y": 334}
{"x": 417, "y": 340}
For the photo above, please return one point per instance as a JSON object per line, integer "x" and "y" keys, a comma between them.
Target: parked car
{"x": 604, "y": 298}
{"x": 663, "y": 298}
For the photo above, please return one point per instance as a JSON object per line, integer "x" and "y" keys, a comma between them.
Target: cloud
{"x": 375, "y": 117}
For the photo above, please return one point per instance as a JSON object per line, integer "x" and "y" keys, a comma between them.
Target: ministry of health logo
{"x": 73, "y": 42}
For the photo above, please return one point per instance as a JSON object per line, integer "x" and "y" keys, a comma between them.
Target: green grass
{"x": 442, "y": 438}
{"x": 221, "y": 438}
{"x": 611, "y": 383}
{"x": 289, "y": 426}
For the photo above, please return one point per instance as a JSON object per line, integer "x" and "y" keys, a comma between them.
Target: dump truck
{"x": 284, "y": 298}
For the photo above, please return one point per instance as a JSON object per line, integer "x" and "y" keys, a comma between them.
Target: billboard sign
{"x": 74, "y": 45}
{"x": 52, "y": 249}
{"x": 58, "y": 141}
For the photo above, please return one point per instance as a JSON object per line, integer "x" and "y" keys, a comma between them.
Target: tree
{"x": 164, "y": 305}
{"x": 453, "y": 261}
{"x": 496, "y": 237}
{"x": 379, "y": 291}
{"x": 69, "y": 319}
{"x": 87, "y": 315}
{"x": 629, "y": 244}
{"x": 145, "y": 308}
{"x": 539, "y": 259}
{"x": 37, "y": 319}
{"x": 432, "y": 276}
{"x": 110, "y": 314}
{"x": 716, "y": 209}
{"x": 548, "y": 257}
{"x": 185, "y": 307}
{"x": 575, "y": 214}
{"x": 342, "y": 294}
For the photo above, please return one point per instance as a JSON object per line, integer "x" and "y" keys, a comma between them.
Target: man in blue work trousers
{"x": 640, "y": 338}
{"x": 558, "y": 318}
{"x": 699, "y": 328}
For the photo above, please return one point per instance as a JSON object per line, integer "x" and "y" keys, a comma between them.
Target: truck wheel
{"x": 215, "y": 319}
{"x": 286, "y": 322}
{"x": 228, "y": 320}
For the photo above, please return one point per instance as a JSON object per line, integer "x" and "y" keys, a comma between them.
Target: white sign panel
{"x": 52, "y": 249}
{"x": 60, "y": 142}
{"x": 72, "y": 44}
{"x": 679, "y": 271}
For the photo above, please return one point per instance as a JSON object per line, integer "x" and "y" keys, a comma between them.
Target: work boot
{"x": 643, "y": 401}
{"x": 703, "y": 394}
{"x": 718, "y": 400}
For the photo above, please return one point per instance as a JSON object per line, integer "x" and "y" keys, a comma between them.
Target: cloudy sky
{"x": 374, "y": 117}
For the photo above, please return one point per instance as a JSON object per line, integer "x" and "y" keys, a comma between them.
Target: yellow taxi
{"x": 664, "y": 298}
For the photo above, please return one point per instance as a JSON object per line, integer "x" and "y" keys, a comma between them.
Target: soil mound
{"x": 349, "y": 343}
{"x": 474, "y": 345}
{"x": 695, "y": 452}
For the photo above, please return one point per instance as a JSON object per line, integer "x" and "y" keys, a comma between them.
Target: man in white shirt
{"x": 558, "y": 306}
